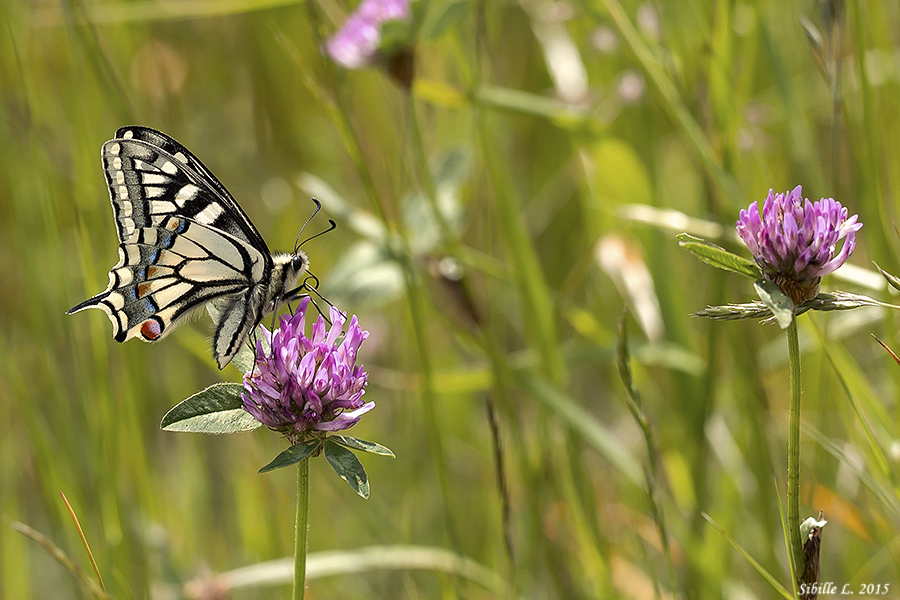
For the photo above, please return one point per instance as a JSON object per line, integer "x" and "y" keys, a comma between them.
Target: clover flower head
{"x": 358, "y": 43}
{"x": 302, "y": 385}
{"x": 795, "y": 241}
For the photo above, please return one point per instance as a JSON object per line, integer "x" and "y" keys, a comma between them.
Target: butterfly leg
{"x": 252, "y": 341}
{"x": 272, "y": 329}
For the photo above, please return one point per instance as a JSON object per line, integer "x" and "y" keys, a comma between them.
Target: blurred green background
{"x": 566, "y": 143}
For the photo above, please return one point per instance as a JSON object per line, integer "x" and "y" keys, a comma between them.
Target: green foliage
{"x": 362, "y": 445}
{"x": 293, "y": 455}
{"x": 348, "y": 467}
{"x": 535, "y": 129}
{"x": 217, "y": 409}
{"x": 718, "y": 257}
{"x": 781, "y": 306}
{"x": 892, "y": 280}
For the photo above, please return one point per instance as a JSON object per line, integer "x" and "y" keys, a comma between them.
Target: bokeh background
{"x": 565, "y": 144}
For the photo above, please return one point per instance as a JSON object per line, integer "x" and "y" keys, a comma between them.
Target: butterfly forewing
{"x": 160, "y": 140}
{"x": 184, "y": 241}
{"x": 145, "y": 168}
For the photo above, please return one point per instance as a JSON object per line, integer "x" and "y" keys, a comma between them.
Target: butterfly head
{"x": 287, "y": 272}
{"x": 299, "y": 262}
{"x": 294, "y": 265}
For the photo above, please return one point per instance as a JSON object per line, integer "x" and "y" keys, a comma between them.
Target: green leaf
{"x": 442, "y": 17}
{"x": 292, "y": 455}
{"x": 825, "y": 301}
{"x": 439, "y": 93}
{"x": 519, "y": 101}
{"x": 363, "y": 445}
{"x": 893, "y": 280}
{"x": 419, "y": 9}
{"x": 217, "y": 409}
{"x": 781, "y": 306}
{"x": 718, "y": 256}
{"x": 348, "y": 467}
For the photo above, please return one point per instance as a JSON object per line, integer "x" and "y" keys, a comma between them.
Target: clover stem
{"x": 301, "y": 529}
{"x": 793, "y": 508}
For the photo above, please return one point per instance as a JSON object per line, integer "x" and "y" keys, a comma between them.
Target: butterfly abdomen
{"x": 241, "y": 313}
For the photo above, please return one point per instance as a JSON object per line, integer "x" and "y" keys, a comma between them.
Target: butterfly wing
{"x": 231, "y": 219}
{"x": 183, "y": 241}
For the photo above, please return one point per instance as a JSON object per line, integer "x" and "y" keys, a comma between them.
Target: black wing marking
{"x": 167, "y": 270}
{"x": 183, "y": 242}
{"x": 237, "y": 319}
{"x": 136, "y": 147}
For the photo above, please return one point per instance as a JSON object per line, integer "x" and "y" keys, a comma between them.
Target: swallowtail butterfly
{"x": 184, "y": 241}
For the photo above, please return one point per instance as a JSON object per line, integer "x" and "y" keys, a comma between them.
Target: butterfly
{"x": 184, "y": 241}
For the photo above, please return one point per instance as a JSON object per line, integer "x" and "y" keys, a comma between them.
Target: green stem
{"x": 793, "y": 508}
{"x": 301, "y": 529}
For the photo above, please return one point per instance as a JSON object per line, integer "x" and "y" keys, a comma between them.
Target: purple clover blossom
{"x": 794, "y": 241}
{"x": 357, "y": 43}
{"x": 302, "y": 385}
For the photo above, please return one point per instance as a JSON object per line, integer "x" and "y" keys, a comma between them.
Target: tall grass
{"x": 531, "y": 132}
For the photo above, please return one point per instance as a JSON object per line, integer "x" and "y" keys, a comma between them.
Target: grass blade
{"x": 776, "y": 585}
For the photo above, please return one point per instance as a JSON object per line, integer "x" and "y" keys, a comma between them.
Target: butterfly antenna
{"x": 298, "y": 243}
{"x": 332, "y": 227}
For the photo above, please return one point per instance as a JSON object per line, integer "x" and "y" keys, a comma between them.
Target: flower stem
{"x": 301, "y": 529}
{"x": 793, "y": 508}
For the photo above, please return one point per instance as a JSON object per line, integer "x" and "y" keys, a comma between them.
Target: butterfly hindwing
{"x": 183, "y": 242}
{"x": 166, "y": 271}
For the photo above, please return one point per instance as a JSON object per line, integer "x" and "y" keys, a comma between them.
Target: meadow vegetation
{"x": 563, "y": 427}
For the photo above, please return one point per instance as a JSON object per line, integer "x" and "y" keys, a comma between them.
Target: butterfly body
{"x": 184, "y": 241}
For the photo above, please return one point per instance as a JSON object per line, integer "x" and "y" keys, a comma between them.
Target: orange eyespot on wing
{"x": 151, "y": 329}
